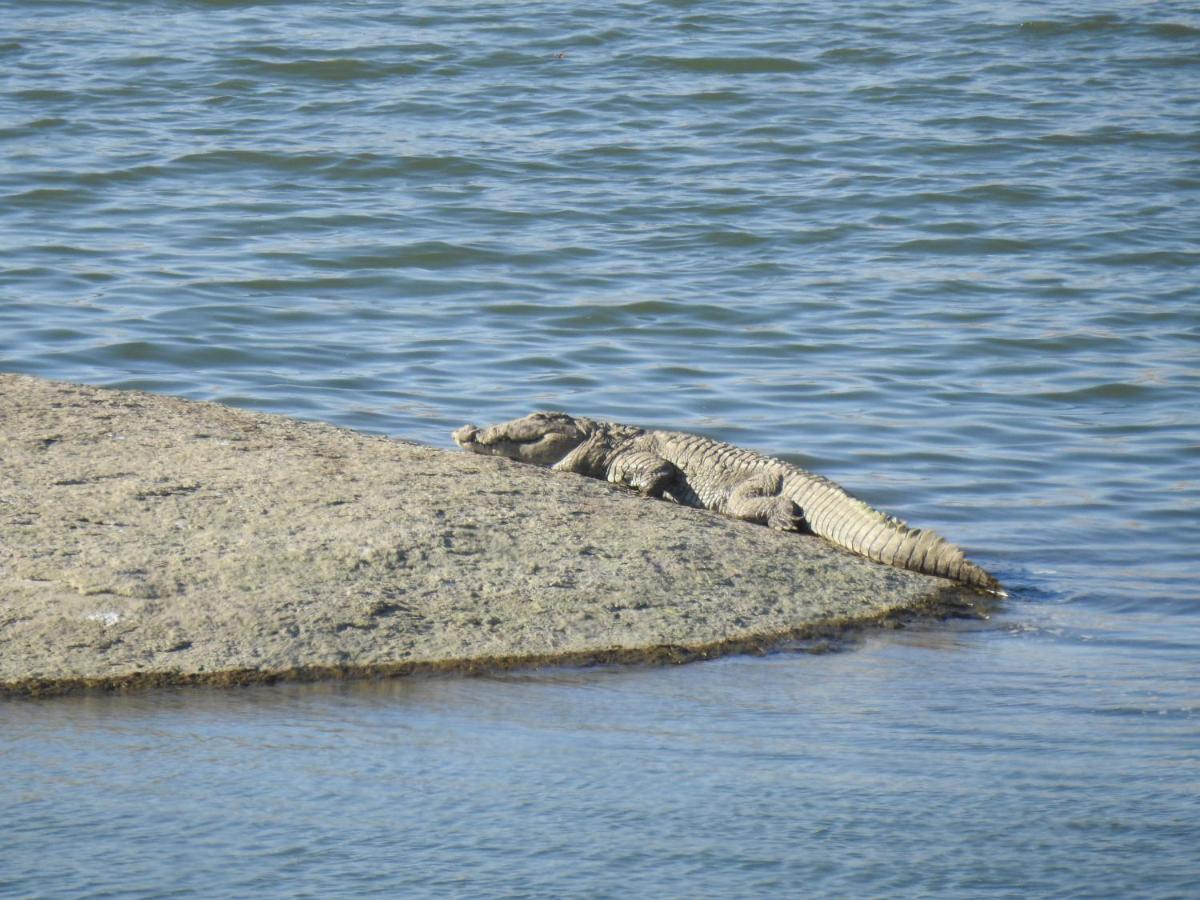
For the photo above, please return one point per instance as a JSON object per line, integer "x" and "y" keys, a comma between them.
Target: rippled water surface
{"x": 945, "y": 253}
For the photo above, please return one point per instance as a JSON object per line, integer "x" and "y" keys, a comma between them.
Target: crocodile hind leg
{"x": 757, "y": 499}
{"x": 644, "y": 471}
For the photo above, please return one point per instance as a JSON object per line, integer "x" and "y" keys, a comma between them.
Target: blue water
{"x": 945, "y": 253}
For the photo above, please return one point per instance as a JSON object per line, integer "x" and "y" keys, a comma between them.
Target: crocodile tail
{"x": 850, "y": 523}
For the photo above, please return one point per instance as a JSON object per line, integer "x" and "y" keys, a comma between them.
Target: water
{"x": 968, "y": 764}
{"x": 945, "y": 253}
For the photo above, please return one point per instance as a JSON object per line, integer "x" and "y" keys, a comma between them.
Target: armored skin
{"x": 700, "y": 472}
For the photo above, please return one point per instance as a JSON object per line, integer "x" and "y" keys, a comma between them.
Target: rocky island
{"x": 149, "y": 540}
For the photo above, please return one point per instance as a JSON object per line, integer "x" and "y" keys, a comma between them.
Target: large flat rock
{"x": 150, "y": 540}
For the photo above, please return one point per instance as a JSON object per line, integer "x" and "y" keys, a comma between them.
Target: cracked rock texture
{"x": 150, "y": 540}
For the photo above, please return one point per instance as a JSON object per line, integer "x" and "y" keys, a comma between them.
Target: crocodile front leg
{"x": 644, "y": 471}
{"x": 757, "y": 499}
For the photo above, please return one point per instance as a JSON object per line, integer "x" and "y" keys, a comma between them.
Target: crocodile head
{"x": 542, "y": 438}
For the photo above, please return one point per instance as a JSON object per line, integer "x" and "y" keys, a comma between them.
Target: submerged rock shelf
{"x": 149, "y": 540}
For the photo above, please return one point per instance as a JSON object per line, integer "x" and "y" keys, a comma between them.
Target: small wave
{"x": 1103, "y": 23}
{"x": 809, "y": 236}
{"x": 216, "y": 160}
{"x": 1112, "y": 136}
{"x": 1007, "y": 193}
{"x": 1046, "y": 345}
{"x": 722, "y": 96}
{"x": 234, "y": 84}
{"x": 422, "y": 255}
{"x": 964, "y": 245}
{"x": 47, "y": 198}
{"x": 69, "y": 250}
{"x": 1173, "y": 30}
{"x": 518, "y": 309}
{"x": 32, "y": 127}
{"x": 173, "y": 353}
{"x": 43, "y": 95}
{"x": 859, "y": 55}
{"x": 1117, "y": 390}
{"x": 732, "y": 65}
{"x": 1154, "y": 258}
{"x": 102, "y": 178}
{"x": 449, "y": 164}
{"x": 533, "y": 364}
{"x": 144, "y": 61}
{"x": 509, "y": 59}
{"x": 980, "y": 122}
{"x": 305, "y": 284}
{"x": 334, "y": 70}
{"x": 732, "y": 238}
{"x": 956, "y": 228}
{"x": 1085, "y": 24}
{"x": 335, "y": 165}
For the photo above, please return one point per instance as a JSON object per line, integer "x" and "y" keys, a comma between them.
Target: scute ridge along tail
{"x": 850, "y": 523}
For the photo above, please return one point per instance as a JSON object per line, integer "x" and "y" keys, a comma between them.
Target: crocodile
{"x": 708, "y": 474}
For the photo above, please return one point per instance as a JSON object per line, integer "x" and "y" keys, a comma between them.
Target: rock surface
{"x": 148, "y": 540}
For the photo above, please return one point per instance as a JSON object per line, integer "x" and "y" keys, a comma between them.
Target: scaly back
{"x": 829, "y": 510}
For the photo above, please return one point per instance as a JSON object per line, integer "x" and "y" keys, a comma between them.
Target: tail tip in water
{"x": 988, "y": 582}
